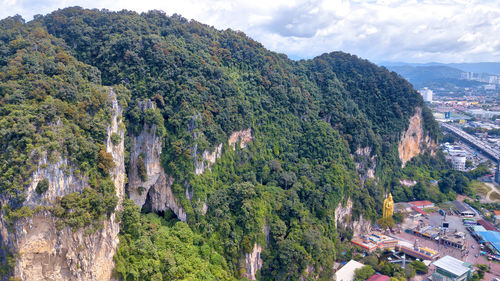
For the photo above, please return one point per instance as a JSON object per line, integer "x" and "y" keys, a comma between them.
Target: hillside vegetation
{"x": 308, "y": 119}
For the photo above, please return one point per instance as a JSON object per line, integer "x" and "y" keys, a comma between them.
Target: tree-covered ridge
{"x": 307, "y": 119}
{"x": 230, "y": 79}
{"x": 51, "y": 105}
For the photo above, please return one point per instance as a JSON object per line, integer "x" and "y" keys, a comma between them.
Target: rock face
{"x": 208, "y": 159}
{"x": 343, "y": 217}
{"x": 365, "y": 164}
{"x": 118, "y": 150}
{"x": 253, "y": 262}
{"x": 61, "y": 177}
{"x": 48, "y": 254}
{"x": 243, "y": 137}
{"x": 45, "y": 253}
{"x": 413, "y": 140}
{"x": 155, "y": 192}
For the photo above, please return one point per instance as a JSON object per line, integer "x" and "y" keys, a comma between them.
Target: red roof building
{"x": 497, "y": 213}
{"x": 418, "y": 210}
{"x": 487, "y": 225}
{"x": 378, "y": 277}
{"x": 422, "y": 204}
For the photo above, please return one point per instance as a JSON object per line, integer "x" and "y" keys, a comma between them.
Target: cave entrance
{"x": 147, "y": 208}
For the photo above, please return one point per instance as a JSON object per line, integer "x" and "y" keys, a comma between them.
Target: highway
{"x": 492, "y": 153}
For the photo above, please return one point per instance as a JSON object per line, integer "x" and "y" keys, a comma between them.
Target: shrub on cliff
{"x": 42, "y": 186}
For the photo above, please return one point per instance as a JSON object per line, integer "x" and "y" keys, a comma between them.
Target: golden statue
{"x": 388, "y": 207}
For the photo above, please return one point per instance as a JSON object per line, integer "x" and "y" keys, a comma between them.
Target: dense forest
{"x": 308, "y": 120}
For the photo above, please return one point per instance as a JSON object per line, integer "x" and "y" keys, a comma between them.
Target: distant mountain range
{"x": 442, "y": 75}
{"x": 478, "y": 67}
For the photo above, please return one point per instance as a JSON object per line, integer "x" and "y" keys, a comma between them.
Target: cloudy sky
{"x": 379, "y": 30}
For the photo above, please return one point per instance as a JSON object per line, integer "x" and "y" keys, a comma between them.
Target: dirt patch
{"x": 480, "y": 188}
{"x": 495, "y": 196}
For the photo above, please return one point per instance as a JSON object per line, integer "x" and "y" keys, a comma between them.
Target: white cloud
{"x": 381, "y": 30}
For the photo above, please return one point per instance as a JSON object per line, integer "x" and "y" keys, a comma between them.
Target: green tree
{"x": 42, "y": 186}
{"x": 419, "y": 267}
{"x": 363, "y": 273}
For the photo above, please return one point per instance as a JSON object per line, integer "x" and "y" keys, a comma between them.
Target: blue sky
{"x": 379, "y": 30}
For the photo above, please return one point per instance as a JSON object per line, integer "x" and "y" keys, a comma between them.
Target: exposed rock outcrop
{"x": 343, "y": 217}
{"x": 414, "y": 141}
{"x": 243, "y": 137}
{"x": 365, "y": 163}
{"x": 45, "y": 253}
{"x": 155, "y": 190}
{"x": 208, "y": 159}
{"x": 407, "y": 182}
{"x": 253, "y": 262}
{"x": 117, "y": 150}
{"x": 48, "y": 254}
{"x": 62, "y": 179}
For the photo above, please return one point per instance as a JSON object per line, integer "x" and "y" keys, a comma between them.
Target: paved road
{"x": 493, "y": 189}
{"x": 486, "y": 148}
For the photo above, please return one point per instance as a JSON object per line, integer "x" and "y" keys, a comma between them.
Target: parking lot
{"x": 471, "y": 254}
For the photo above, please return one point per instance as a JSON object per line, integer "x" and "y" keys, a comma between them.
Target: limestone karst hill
{"x": 149, "y": 147}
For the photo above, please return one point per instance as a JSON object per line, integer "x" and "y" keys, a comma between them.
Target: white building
{"x": 458, "y": 162}
{"x": 451, "y": 269}
{"x": 482, "y": 114}
{"x": 426, "y": 94}
{"x": 490, "y": 87}
{"x": 346, "y": 273}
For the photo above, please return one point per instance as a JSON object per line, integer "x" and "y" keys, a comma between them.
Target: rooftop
{"x": 462, "y": 207}
{"x": 378, "y": 277}
{"x": 452, "y": 265}
{"x": 418, "y": 210}
{"x": 478, "y": 228}
{"x": 497, "y": 213}
{"x": 492, "y": 237}
{"x": 373, "y": 241}
{"x": 487, "y": 225}
{"x": 346, "y": 273}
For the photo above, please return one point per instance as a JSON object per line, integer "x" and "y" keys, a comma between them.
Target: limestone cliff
{"x": 45, "y": 253}
{"x": 414, "y": 141}
{"x": 208, "y": 159}
{"x": 365, "y": 163}
{"x": 154, "y": 192}
{"x": 343, "y": 217}
{"x": 253, "y": 262}
{"x": 243, "y": 137}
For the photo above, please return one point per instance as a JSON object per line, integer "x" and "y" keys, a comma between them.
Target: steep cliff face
{"x": 45, "y": 253}
{"x": 414, "y": 141}
{"x": 253, "y": 262}
{"x": 365, "y": 164}
{"x": 62, "y": 179}
{"x": 117, "y": 150}
{"x": 208, "y": 159}
{"x": 154, "y": 191}
{"x": 343, "y": 217}
{"x": 48, "y": 254}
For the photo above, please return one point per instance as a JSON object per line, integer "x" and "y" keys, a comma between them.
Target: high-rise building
{"x": 458, "y": 162}
{"x": 426, "y": 94}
